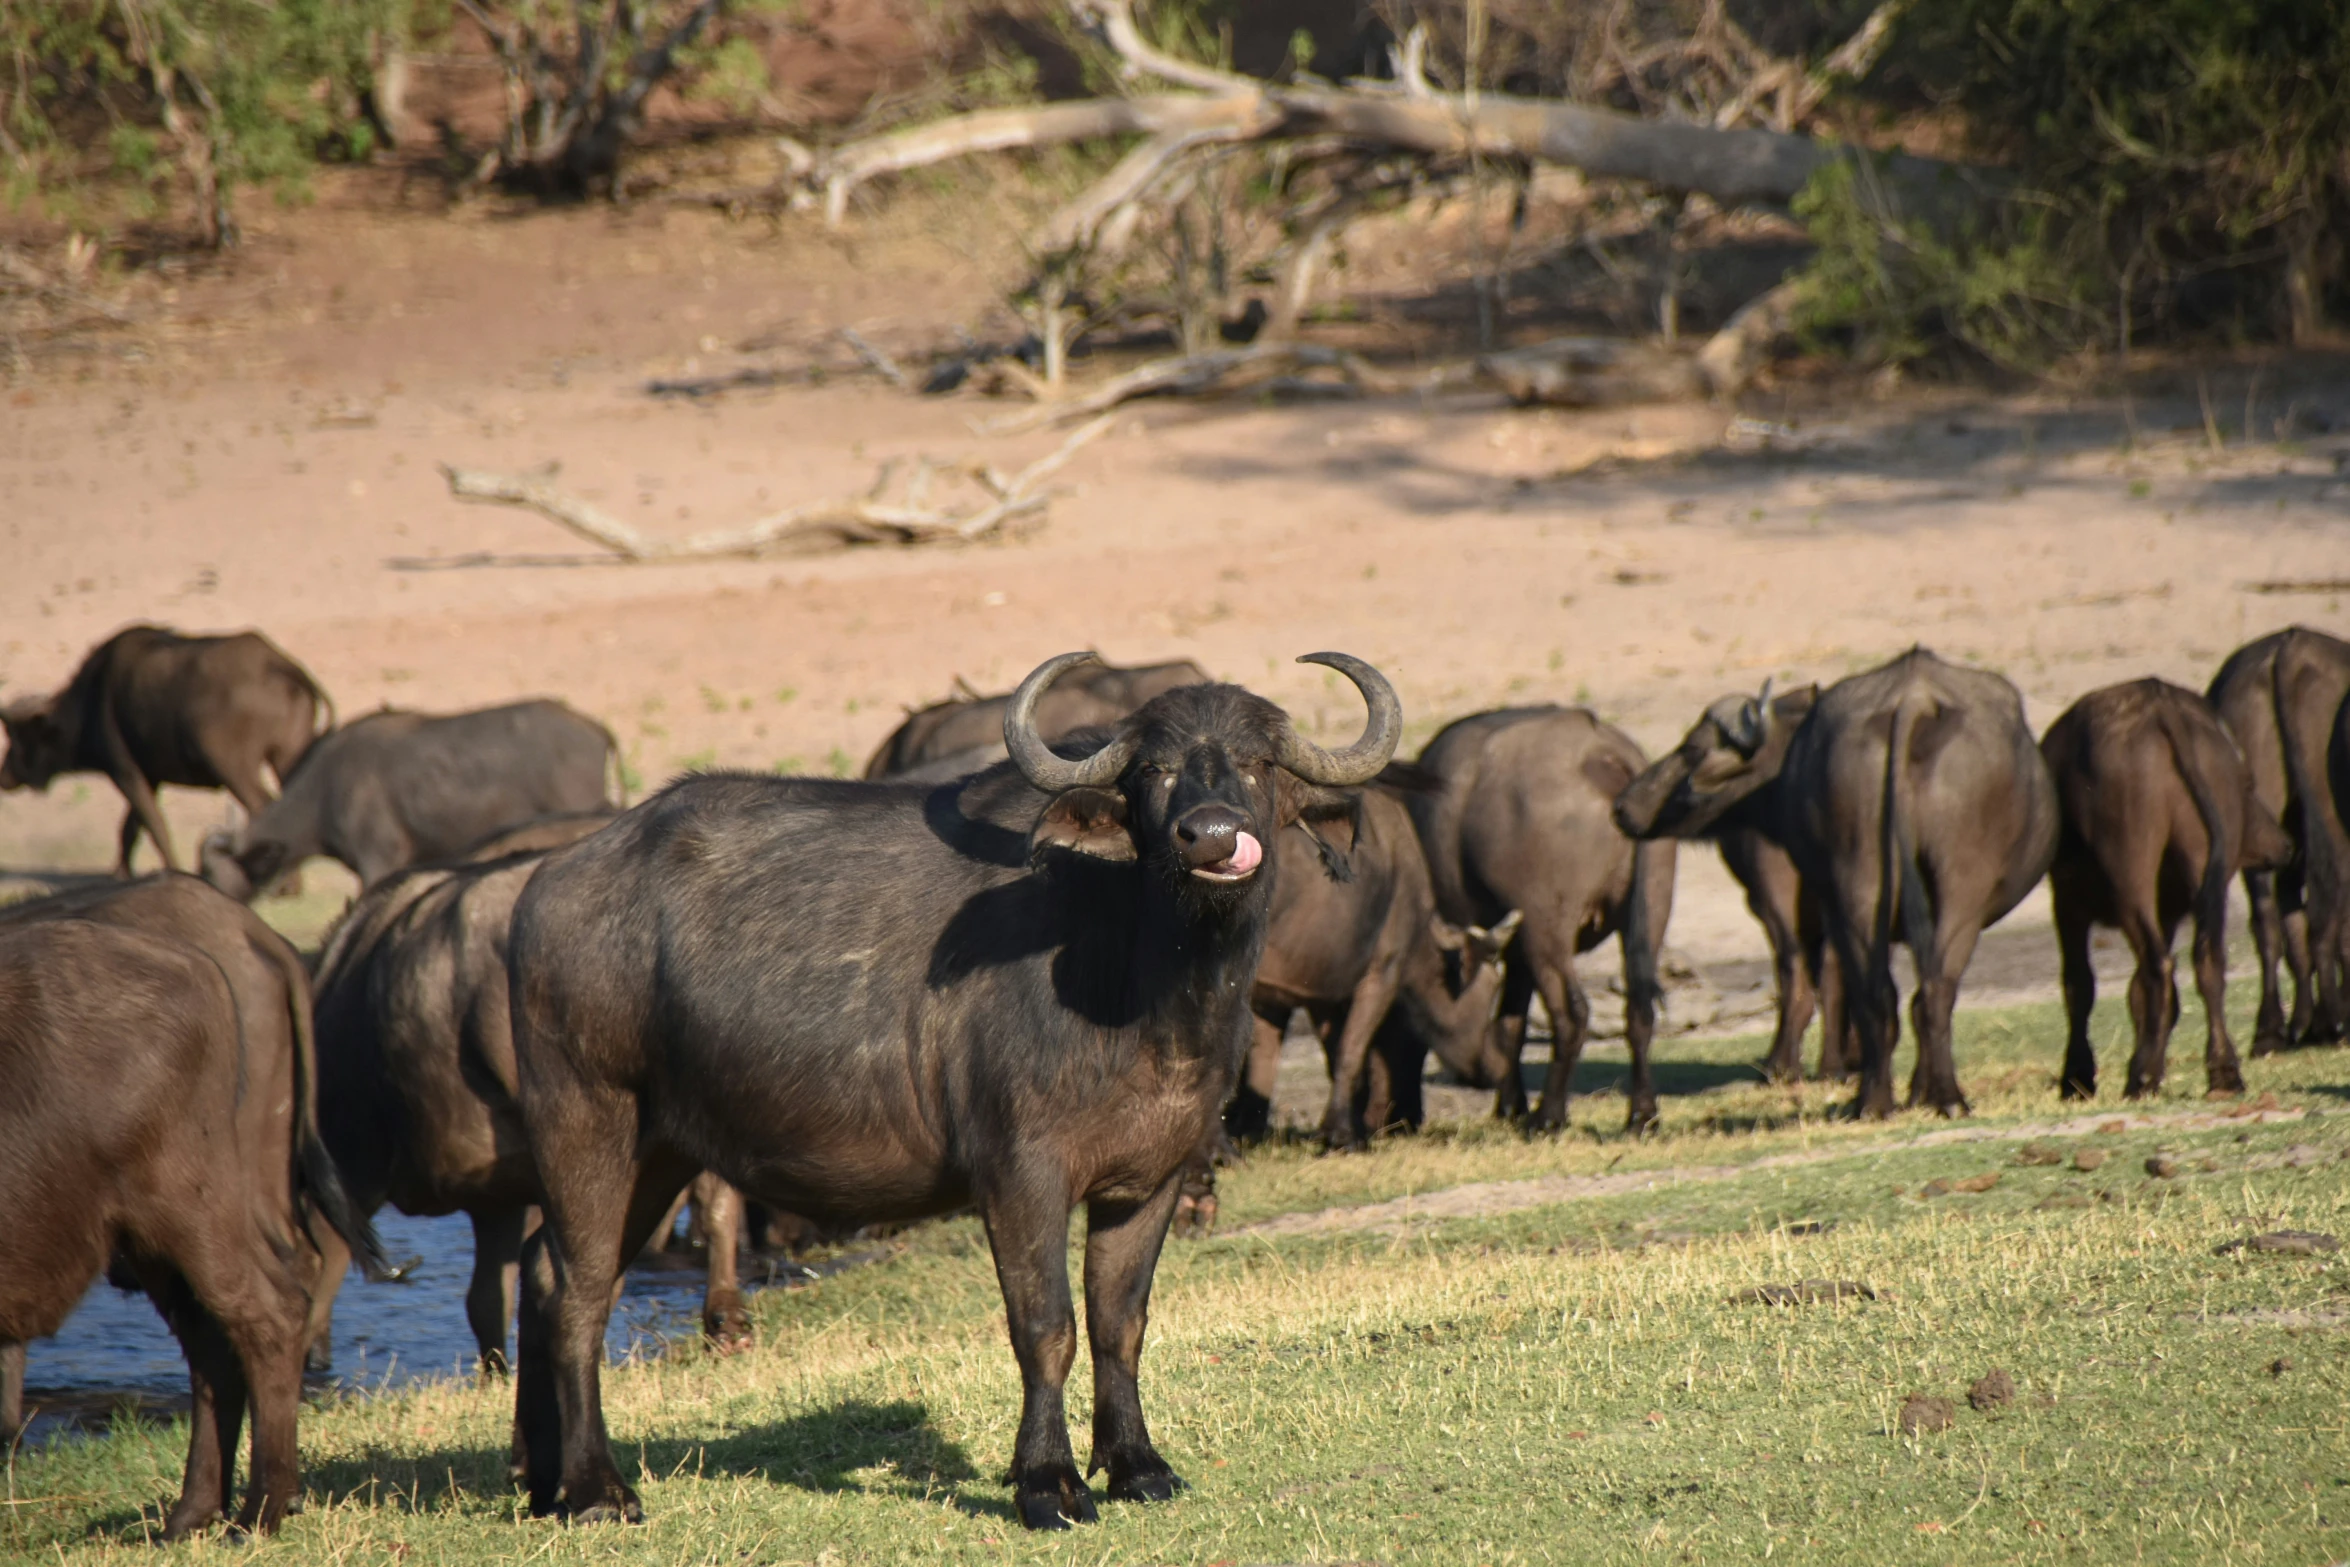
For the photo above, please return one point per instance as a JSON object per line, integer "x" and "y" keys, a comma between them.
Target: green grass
{"x": 1564, "y": 1381}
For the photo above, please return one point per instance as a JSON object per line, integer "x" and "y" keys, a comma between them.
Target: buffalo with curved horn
{"x": 1021, "y": 991}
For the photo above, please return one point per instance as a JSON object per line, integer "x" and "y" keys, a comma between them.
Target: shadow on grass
{"x": 853, "y": 1446}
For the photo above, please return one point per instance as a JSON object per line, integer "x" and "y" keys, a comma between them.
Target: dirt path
{"x": 271, "y": 461}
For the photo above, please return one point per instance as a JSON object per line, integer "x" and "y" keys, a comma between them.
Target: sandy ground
{"x": 264, "y": 454}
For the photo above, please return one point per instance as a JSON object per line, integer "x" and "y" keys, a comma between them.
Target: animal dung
{"x": 2090, "y": 1159}
{"x": 2163, "y": 1167}
{"x": 1921, "y": 1413}
{"x": 2039, "y": 1153}
{"x": 1804, "y": 1292}
{"x": 2055, "y": 1200}
{"x": 2113, "y": 1128}
{"x": 2279, "y": 1366}
{"x": 1943, "y": 1187}
{"x": 1995, "y": 1389}
{"x": 2283, "y": 1243}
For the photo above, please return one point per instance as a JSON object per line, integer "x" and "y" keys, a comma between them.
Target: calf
{"x": 397, "y": 789}
{"x": 417, "y": 1078}
{"x": 1518, "y": 820}
{"x": 966, "y": 733}
{"x": 2159, "y": 811}
{"x": 1916, "y": 808}
{"x": 149, "y": 707}
{"x": 2280, "y": 697}
{"x": 1655, "y": 805}
{"x": 859, "y": 1001}
{"x": 142, "y": 1121}
{"x": 1355, "y": 934}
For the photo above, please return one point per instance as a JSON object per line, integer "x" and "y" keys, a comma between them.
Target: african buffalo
{"x": 966, "y": 732}
{"x": 1655, "y": 805}
{"x": 396, "y": 789}
{"x": 2159, "y": 811}
{"x": 1916, "y": 808}
{"x": 145, "y": 1120}
{"x": 2280, "y": 697}
{"x": 416, "y": 1096}
{"x": 1356, "y": 938}
{"x": 1518, "y": 820}
{"x": 149, "y": 707}
{"x": 854, "y": 1000}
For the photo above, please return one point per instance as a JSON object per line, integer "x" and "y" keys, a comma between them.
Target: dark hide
{"x": 1520, "y": 822}
{"x": 964, "y": 734}
{"x": 2159, "y": 811}
{"x": 150, "y": 707}
{"x": 864, "y": 1001}
{"x": 417, "y": 1092}
{"x": 397, "y": 789}
{"x": 2281, "y": 698}
{"x": 1917, "y": 810}
{"x": 1743, "y": 730}
{"x": 141, "y": 1120}
{"x": 1355, "y": 939}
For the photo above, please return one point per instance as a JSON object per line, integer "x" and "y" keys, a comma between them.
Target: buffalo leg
{"x": 216, "y": 1412}
{"x": 599, "y": 1213}
{"x": 2221, "y": 1073}
{"x": 1934, "y": 1081}
{"x": 1875, "y": 1005}
{"x": 724, "y": 1323}
{"x": 1570, "y": 1025}
{"x": 261, "y": 1314}
{"x": 1028, "y": 1229}
{"x": 1250, "y": 1115}
{"x": 2080, "y": 993}
{"x": 1509, "y": 1032}
{"x": 2269, "y": 1032}
{"x": 2153, "y": 1002}
{"x": 1121, "y": 1255}
{"x": 1365, "y": 1011}
{"x": 11, "y": 1389}
{"x": 489, "y": 1298}
{"x": 1797, "y": 1002}
{"x": 143, "y": 812}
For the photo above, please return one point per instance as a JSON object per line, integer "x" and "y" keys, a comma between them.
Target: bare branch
{"x": 1113, "y": 23}
{"x": 1190, "y": 374}
{"x": 857, "y": 519}
{"x": 880, "y": 363}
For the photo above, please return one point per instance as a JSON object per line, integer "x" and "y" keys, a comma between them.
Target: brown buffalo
{"x": 2159, "y": 811}
{"x": 1517, "y": 819}
{"x": 417, "y": 1078}
{"x": 144, "y": 1122}
{"x": 1357, "y": 943}
{"x": 149, "y": 707}
{"x": 1916, "y": 808}
{"x": 2280, "y": 697}
{"x": 1655, "y": 805}
{"x": 966, "y": 732}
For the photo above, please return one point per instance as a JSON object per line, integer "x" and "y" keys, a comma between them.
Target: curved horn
{"x": 1360, "y": 762}
{"x": 1039, "y": 763}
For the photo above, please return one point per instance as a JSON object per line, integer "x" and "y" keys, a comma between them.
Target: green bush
{"x": 2178, "y": 164}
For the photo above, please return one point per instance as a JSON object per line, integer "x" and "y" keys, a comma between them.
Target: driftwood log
{"x": 855, "y": 519}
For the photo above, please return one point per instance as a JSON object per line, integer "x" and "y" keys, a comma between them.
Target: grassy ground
{"x": 1537, "y": 1379}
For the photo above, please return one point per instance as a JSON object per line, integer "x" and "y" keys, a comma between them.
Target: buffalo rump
{"x": 142, "y": 1122}
{"x": 1916, "y": 808}
{"x": 149, "y": 707}
{"x": 870, "y": 1001}
{"x": 2281, "y": 697}
{"x": 2159, "y": 811}
{"x": 1518, "y": 819}
{"x": 395, "y": 789}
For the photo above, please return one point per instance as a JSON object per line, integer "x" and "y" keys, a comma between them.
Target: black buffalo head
{"x": 38, "y": 746}
{"x": 1737, "y": 747}
{"x": 1199, "y": 779}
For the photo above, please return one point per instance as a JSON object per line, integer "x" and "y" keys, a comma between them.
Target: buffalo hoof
{"x": 1055, "y": 1500}
{"x": 1157, "y": 1484}
{"x": 1643, "y": 1120}
{"x": 726, "y": 1332}
{"x": 606, "y": 1499}
{"x": 184, "y": 1521}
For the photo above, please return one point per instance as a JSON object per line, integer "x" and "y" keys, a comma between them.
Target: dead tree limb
{"x": 856, "y": 519}
{"x": 1188, "y": 375}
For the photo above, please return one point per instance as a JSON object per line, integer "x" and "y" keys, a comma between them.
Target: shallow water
{"x": 115, "y": 1348}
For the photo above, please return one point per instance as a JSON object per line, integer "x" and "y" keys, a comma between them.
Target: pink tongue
{"x": 1247, "y": 854}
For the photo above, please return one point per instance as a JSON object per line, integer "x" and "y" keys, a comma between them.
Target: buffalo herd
{"x": 1041, "y": 957}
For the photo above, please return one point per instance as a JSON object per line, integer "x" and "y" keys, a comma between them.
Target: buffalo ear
{"x": 1085, "y": 821}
